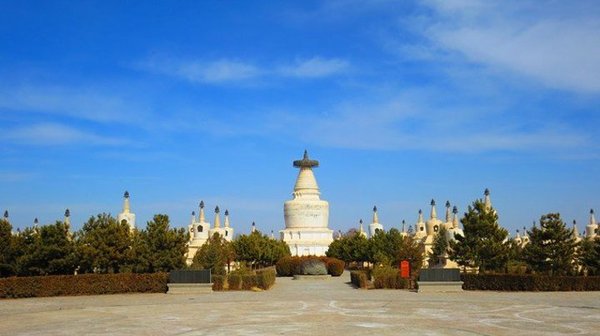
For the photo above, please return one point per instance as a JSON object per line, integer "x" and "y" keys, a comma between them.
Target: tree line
{"x": 103, "y": 245}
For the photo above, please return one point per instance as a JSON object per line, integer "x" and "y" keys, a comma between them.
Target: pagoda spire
{"x": 193, "y": 217}
{"x": 487, "y": 201}
{"x": 433, "y": 212}
{"x": 575, "y": 231}
{"x": 217, "y": 218}
{"x": 226, "y": 218}
{"x": 67, "y": 219}
{"x": 455, "y": 218}
{"x": 202, "y": 219}
{"x": 375, "y": 217}
{"x": 306, "y": 183}
{"x": 448, "y": 217}
{"x": 403, "y": 226}
{"x": 6, "y": 215}
{"x": 126, "y": 207}
{"x": 592, "y": 217}
{"x": 253, "y": 229}
{"x": 420, "y": 219}
{"x": 360, "y": 227}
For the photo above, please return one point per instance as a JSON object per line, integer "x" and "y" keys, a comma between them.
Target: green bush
{"x": 359, "y": 279}
{"x": 248, "y": 281}
{"x": 265, "y": 279}
{"x": 235, "y": 281}
{"x": 218, "y": 282}
{"x": 529, "y": 282}
{"x": 389, "y": 277}
{"x": 83, "y": 284}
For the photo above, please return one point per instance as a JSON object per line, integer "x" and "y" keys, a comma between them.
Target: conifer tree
{"x": 551, "y": 247}
{"x": 439, "y": 250}
{"x": 588, "y": 255}
{"x": 483, "y": 245}
{"x": 215, "y": 254}
{"x": 161, "y": 248}
{"x": 7, "y": 266}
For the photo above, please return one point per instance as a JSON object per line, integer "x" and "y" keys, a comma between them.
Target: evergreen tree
{"x": 215, "y": 254}
{"x": 439, "y": 250}
{"x": 159, "y": 248}
{"x": 7, "y": 262}
{"x": 412, "y": 250}
{"x": 589, "y": 256}
{"x": 352, "y": 247}
{"x": 103, "y": 245}
{"x": 551, "y": 247}
{"x": 483, "y": 245}
{"x": 258, "y": 250}
{"x": 384, "y": 247}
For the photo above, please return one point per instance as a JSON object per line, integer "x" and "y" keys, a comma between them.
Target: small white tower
{"x": 575, "y": 233}
{"x": 127, "y": 215}
{"x": 375, "y": 225}
{"x": 361, "y": 229}
{"x": 591, "y": 230}
{"x": 420, "y": 231}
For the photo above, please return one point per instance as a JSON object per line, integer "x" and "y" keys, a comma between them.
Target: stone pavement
{"x": 330, "y": 307}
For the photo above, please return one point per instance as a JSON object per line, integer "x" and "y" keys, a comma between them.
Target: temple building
{"x": 200, "y": 230}
{"x": 306, "y": 215}
{"x": 126, "y": 215}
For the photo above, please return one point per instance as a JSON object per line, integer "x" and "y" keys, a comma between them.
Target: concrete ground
{"x": 330, "y": 307}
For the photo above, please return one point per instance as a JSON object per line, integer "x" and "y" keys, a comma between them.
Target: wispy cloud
{"x": 315, "y": 67}
{"x": 51, "y": 134}
{"x": 86, "y": 104}
{"x": 554, "y": 44}
{"x": 226, "y": 71}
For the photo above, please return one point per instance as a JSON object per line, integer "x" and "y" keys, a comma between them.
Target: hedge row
{"x": 359, "y": 279}
{"x": 529, "y": 282}
{"x": 290, "y": 266}
{"x": 263, "y": 279}
{"x": 83, "y": 284}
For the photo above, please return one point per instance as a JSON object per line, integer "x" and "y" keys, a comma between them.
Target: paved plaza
{"x": 330, "y": 307}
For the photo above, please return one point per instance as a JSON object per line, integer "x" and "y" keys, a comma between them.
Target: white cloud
{"x": 71, "y": 102}
{"x": 315, "y": 67}
{"x": 224, "y": 71}
{"x": 553, "y": 44}
{"x": 51, "y": 134}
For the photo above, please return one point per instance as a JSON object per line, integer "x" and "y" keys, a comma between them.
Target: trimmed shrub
{"x": 234, "y": 281}
{"x": 359, "y": 279}
{"x": 529, "y": 282}
{"x": 265, "y": 279}
{"x": 83, "y": 284}
{"x": 218, "y": 282}
{"x": 248, "y": 281}
{"x": 335, "y": 267}
{"x": 313, "y": 267}
{"x": 288, "y": 266}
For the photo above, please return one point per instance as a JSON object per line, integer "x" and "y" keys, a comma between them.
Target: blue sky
{"x": 401, "y": 102}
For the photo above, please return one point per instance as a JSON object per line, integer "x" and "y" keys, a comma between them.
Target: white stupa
{"x": 306, "y": 215}
{"x": 127, "y": 215}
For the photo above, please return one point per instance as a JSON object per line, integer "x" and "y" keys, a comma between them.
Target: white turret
{"x": 487, "y": 201}
{"x": 127, "y": 216}
{"x": 361, "y": 230}
{"x": 448, "y": 223}
{"x": 253, "y": 229}
{"x": 375, "y": 225}
{"x": 67, "y": 220}
{"x": 217, "y": 224}
{"x": 226, "y": 231}
{"x": 433, "y": 224}
{"x": 403, "y": 232}
{"x": 575, "y": 233}
{"x": 591, "y": 230}
{"x": 452, "y": 227}
{"x": 420, "y": 231}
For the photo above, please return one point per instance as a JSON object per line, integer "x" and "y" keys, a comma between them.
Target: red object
{"x": 405, "y": 269}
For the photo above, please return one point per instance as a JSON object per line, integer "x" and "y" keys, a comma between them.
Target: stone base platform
{"x": 189, "y": 288}
{"x": 440, "y": 286}
{"x": 312, "y": 277}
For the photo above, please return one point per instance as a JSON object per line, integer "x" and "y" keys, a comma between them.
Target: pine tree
{"x": 551, "y": 249}
{"x": 215, "y": 254}
{"x": 7, "y": 266}
{"x": 483, "y": 244}
{"x": 161, "y": 248}
{"x": 588, "y": 255}
{"x": 439, "y": 250}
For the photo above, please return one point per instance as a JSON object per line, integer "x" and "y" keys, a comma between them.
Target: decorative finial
{"x": 193, "y": 213}
{"x": 455, "y": 210}
{"x": 591, "y": 211}
{"x": 360, "y": 221}
{"x": 403, "y": 222}
{"x": 374, "y": 208}
{"x": 253, "y": 224}
{"x": 67, "y": 213}
{"x": 517, "y": 231}
{"x": 432, "y": 202}
{"x": 6, "y": 214}
{"x": 306, "y": 162}
{"x": 36, "y": 221}
{"x": 126, "y": 195}
{"x": 420, "y": 211}
{"x": 447, "y": 204}
{"x": 217, "y": 209}
{"x": 574, "y": 222}
{"x": 486, "y": 192}
{"x": 226, "y": 212}
{"x": 201, "y": 204}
